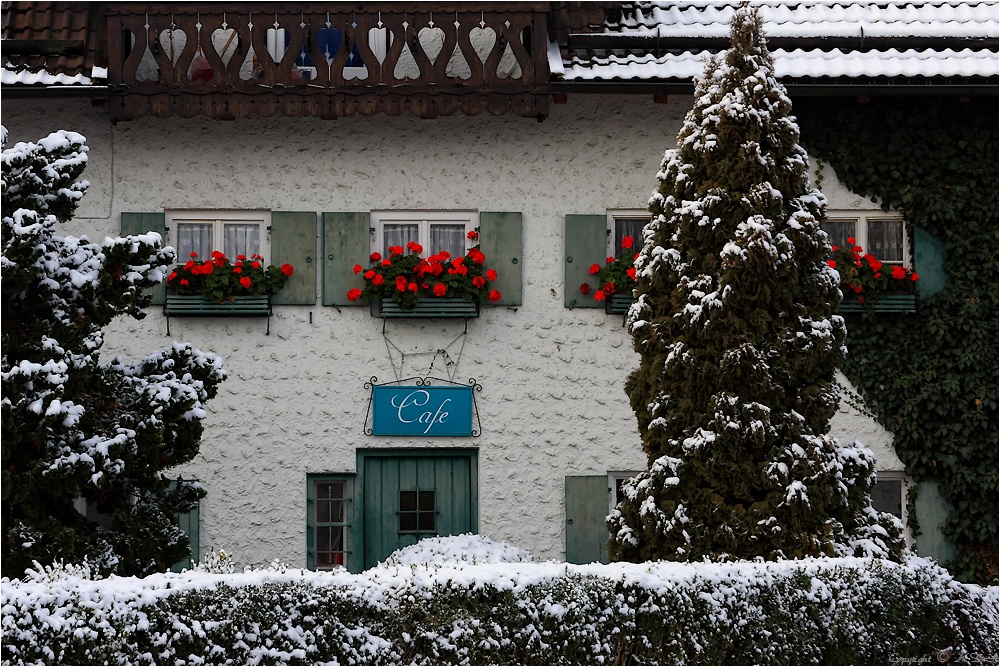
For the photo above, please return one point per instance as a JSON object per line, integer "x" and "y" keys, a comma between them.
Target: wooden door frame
{"x": 358, "y": 522}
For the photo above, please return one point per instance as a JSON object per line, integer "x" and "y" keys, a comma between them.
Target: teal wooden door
{"x": 407, "y": 498}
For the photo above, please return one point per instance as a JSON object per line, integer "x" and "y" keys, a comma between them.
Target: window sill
{"x": 426, "y": 308}
{"x": 890, "y": 303}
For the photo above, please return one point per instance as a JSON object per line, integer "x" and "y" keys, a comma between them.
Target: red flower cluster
{"x": 406, "y": 278}
{"x": 861, "y": 273}
{"x": 617, "y": 275}
{"x": 217, "y": 279}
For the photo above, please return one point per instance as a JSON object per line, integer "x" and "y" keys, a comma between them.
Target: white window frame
{"x": 861, "y": 219}
{"x": 424, "y": 220}
{"x": 218, "y": 218}
{"x": 614, "y": 477}
{"x": 613, "y": 216}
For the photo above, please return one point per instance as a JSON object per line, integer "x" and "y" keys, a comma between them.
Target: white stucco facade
{"x": 552, "y": 402}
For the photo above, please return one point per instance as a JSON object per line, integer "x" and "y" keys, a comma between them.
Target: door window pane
{"x": 194, "y": 237}
{"x": 416, "y": 512}
{"x": 885, "y": 240}
{"x": 887, "y": 496}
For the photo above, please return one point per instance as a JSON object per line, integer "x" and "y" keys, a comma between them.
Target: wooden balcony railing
{"x": 329, "y": 60}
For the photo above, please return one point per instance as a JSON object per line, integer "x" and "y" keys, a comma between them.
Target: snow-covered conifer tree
{"x": 81, "y": 437}
{"x": 735, "y": 325}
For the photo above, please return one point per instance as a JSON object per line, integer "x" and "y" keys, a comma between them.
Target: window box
{"x": 180, "y": 305}
{"x": 890, "y": 303}
{"x": 618, "y": 304}
{"x": 426, "y": 308}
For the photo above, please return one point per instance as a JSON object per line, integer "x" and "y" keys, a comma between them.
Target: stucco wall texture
{"x": 552, "y": 402}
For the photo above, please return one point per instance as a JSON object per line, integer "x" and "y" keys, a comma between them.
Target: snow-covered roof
{"x": 812, "y": 40}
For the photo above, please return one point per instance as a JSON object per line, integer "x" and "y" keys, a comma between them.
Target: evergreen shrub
{"x": 813, "y": 611}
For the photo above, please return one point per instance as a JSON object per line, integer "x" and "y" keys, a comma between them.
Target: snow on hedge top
{"x": 457, "y": 549}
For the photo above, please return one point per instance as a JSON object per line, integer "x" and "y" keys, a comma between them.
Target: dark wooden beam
{"x": 43, "y": 47}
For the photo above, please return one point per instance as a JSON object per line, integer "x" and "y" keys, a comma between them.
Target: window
{"x": 433, "y": 230}
{"x": 889, "y": 494}
{"x": 232, "y": 232}
{"x": 416, "y": 512}
{"x": 329, "y": 506}
{"x": 615, "y": 482}
{"x": 622, "y": 224}
{"x": 880, "y": 234}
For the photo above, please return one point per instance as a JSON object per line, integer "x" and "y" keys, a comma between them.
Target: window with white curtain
{"x": 233, "y": 233}
{"x": 625, "y": 223}
{"x": 880, "y": 234}
{"x": 434, "y": 231}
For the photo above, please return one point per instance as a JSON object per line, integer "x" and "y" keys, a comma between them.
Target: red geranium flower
{"x": 287, "y": 269}
{"x": 473, "y": 235}
{"x": 610, "y": 260}
{"x": 237, "y": 269}
{"x": 478, "y": 281}
{"x": 585, "y": 289}
{"x": 914, "y": 277}
{"x": 595, "y": 269}
{"x": 401, "y": 283}
{"x": 414, "y": 247}
{"x": 378, "y": 280}
{"x": 491, "y": 275}
{"x": 851, "y": 240}
{"x": 375, "y": 257}
{"x": 440, "y": 289}
{"x": 369, "y": 274}
{"x": 173, "y": 274}
{"x": 245, "y": 281}
{"x": 353, "y": 294}
{"x": 599, "y": 295}
{"x": 194, "y": 254}
{"x": 631, "y": 273}
{"x": 898, "y": 272}
{"x": 184, "y": 281}
{"x": 831, "y": 263}
{"x": 494, "y": 296}
{"x": 627, "y": 242}
{"x": 358, "y": 269}
{"x": 256, "y": 265}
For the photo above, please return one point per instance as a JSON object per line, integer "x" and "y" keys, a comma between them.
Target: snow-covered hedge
{"x": 822, "y": 611}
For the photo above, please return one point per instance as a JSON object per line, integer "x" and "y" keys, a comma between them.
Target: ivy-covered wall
{"x": 931, "y": 377}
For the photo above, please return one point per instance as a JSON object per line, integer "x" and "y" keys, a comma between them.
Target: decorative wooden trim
{"x": 327, "y": 88}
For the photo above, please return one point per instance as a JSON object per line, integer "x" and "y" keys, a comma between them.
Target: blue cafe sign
{"x": 422, "y": 410}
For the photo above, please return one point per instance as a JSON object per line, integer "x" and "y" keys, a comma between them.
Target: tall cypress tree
{"x": 85, "y": 443}
{"x": 735, "y": 325}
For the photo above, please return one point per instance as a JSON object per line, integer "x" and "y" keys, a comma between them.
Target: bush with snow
{"x": 812, "y": 611}
{"x": 466, "y": 548}
{"x": 85, "y": 443}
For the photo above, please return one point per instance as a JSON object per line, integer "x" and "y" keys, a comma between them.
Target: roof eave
{"x": 797, "y": 88}
{"x": 20, "y": 91}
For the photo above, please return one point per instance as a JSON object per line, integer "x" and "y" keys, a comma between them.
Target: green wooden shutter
{"x": 293, "y": 241}
{"x": 928, "y": 262}
{"x": 140, "y": 223}
{"x": 346, "y": 242}
{"x": 586, "y": 529}
{"x": 500, "y": 240}
{"x": 586, "y": 244}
